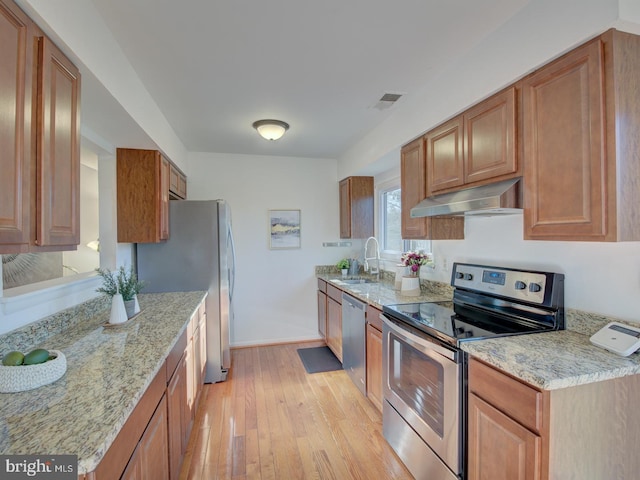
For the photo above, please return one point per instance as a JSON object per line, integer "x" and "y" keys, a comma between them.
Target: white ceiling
{"x": 214, "y": 67}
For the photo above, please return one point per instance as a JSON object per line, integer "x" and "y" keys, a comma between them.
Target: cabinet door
{"x": 58, "y": 149}
{"x": 176, "y": 407}
{"x": 142, "y": 195}
{"x": 154, "y": 462}
{"x": 413, "y": 190}
{"x": 16, "y": 57}
{"x": 345, "y": 209}
{"x": 177, "y": 183}
{"x": 413, "y": 187}
{"x": 445, "y": 156}
{"x": 163, "y": 190}
{"x": 356, "y": 207}
{"x": 490, "y": 138}
{"x": 334, "y": 327}
{"x": 565, "y": 166}
{"x": 322, "y": 314}
{"x": 499, "y": 447}
{"x": 134, "y": 467}
{"x": 197, "y": 370}
{"x": 374, "y": 366}
{"x": 203, "y": 343}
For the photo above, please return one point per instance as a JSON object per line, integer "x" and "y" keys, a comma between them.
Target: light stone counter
{"x": 109, "y": 368}
{"x": 382, "y": 293}
{"x": 548, "y": 361}
{"x": 553, "y": 360}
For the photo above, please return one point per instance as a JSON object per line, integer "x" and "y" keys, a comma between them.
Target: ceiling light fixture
{"x": 271, "y": 129}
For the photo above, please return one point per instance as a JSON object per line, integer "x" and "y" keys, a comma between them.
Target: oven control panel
{"x": 516, "y": 284}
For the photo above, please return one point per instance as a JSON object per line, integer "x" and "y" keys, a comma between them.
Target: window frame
{"x": 386, "y": 254}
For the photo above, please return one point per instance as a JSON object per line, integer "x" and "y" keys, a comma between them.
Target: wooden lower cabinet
{"x": 184, "y": 388}
{"x": 322, "y": 314}
{"x": 149, "y": 460}
{"x": 508, "y": 426}
{"x": 517, "y": 431}
{"x": 334, "y": 327}
{"x": 152, "y": 443}
{"x": 374, "y": 365}
{"x": 177, "y": 417}
{"x": 518, "y": 454}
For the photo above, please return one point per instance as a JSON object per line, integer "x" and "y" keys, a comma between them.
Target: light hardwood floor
{"x": 272, "y": 420}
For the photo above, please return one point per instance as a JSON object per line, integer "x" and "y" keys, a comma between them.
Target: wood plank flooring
{"x": 272, "y": 420}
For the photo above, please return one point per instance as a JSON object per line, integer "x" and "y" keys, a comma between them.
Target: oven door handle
{"x": 404, "y": 333}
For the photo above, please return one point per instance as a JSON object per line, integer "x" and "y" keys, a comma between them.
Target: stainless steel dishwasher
{"x": 353, "y": 340}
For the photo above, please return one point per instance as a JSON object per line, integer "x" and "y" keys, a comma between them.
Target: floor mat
{"x": 319, "y": 359}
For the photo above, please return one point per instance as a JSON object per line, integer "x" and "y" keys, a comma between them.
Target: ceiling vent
{"x": 387, "y": 100}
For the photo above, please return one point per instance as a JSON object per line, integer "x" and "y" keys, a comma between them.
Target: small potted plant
{"x": 126, "y": 283}
{"x": 343, "y": 265}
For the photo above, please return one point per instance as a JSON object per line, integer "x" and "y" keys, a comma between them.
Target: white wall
{"x": 602, "y": 278}
{"x": 599, "y": 277}
{"x": 275, "y": 297}
{"x": 542, "y": 30}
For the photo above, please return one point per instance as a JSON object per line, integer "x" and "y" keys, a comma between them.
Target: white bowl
{"x": 28, "y": 377}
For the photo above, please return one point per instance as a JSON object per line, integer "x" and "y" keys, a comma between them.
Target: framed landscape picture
{"x": 284, "y": 229}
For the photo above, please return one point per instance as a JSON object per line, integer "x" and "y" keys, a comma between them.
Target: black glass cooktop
{"x": 439, "y": 319}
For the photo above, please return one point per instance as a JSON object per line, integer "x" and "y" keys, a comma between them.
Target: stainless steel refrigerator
{"x": 199, "y": 255}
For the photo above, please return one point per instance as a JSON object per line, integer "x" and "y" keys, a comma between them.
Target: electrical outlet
{"x": 445, "y": 264}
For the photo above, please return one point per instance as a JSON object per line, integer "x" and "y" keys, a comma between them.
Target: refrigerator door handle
{"x": 232, "y": 273}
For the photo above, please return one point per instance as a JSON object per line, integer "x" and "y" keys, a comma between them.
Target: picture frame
{"x": 284, "y": 229}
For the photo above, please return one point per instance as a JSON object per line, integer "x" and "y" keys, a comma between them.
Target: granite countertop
{"x": 108, "y": 370}
{"x": 382, "y": 292}
{"x": 548, "y": 361}
{"x": 553, "y": 360}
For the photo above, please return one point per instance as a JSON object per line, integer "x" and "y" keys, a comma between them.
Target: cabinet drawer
{"x": 521, "y": 402}
{"x": 174, "y": 356}
{"x": 322, "y": 285}
{"x": 373, "y": 317}
{"x": 334, "y": 293}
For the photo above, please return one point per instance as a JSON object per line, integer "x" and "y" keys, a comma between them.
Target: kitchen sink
{"x": 355, "y": 281}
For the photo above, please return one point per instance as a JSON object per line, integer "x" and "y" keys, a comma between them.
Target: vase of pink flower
{"x": 414, "y": 260}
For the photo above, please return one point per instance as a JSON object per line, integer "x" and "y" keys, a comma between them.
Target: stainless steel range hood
{"x": 498, "y": 198}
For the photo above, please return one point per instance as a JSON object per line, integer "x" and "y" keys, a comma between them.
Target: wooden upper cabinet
{"x": 445, "y": 152}
{"x": 143, "y": 196}
{"x": 356, "y": 207}
{"x": 413, "y": 190}
{"x": 581, "y": 124}
{"x": 58, "y": 149}
{"x": 39, "y": 140}
{"x": 16, "y": 57}
{"x": 165, "y": 175}
{"x": 177, "y": 184}
{"x": 476, "y": 147}
{"x": 490, "y": 138}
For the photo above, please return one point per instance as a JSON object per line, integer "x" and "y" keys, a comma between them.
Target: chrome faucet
{"x": 367, "y": 268}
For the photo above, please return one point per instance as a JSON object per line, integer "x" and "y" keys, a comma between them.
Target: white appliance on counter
{"x": 199, "y": 255}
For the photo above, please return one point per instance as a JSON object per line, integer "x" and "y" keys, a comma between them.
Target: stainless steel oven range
{"x": 424, "y": 409}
